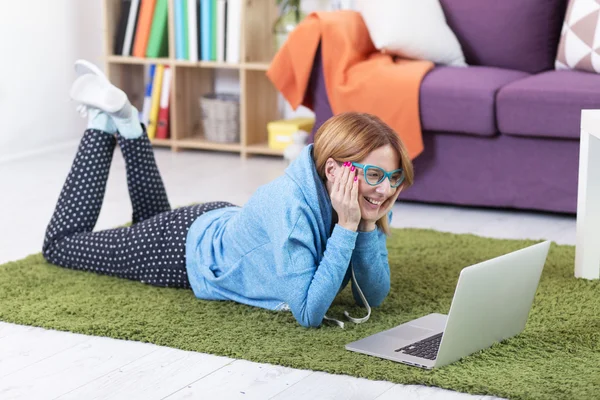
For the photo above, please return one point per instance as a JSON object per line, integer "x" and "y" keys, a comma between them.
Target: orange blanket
{"x": 357, "y": 76}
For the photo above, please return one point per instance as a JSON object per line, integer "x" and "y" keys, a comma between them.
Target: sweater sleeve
{"x": 313, "y": 287}
{"x": 371, "y": 267}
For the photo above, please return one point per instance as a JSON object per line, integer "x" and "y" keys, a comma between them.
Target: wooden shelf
{"x": 199, "y": 142}
{"x": 251, "y": 66}
{"x": 215, "y": 64}
{"x": 192, "y": 79}
{"x": 161, "y": 142}
{"x": 264, "y": 149}
{"x": 184, "y": 63}
{"x": 257, "y": 66}
{"x": 137, "y": 60}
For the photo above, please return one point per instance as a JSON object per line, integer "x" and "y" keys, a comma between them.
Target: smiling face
{"x": 371, "y": 198}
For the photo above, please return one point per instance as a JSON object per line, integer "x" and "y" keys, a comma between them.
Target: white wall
{"x": 39, "y": 41}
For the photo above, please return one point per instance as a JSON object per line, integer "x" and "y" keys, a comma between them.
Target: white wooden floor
{"x": 45, "y": 364}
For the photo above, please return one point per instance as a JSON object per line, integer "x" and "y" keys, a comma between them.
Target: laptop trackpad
{"x": 408, "y": 332}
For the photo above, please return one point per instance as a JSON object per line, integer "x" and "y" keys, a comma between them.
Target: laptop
{"x": 491, "y": 303}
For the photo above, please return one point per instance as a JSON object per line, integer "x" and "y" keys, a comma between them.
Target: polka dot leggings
{"x": 152, "y": 249}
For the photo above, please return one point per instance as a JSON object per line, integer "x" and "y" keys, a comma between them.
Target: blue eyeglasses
{"x": 374, "y": 175}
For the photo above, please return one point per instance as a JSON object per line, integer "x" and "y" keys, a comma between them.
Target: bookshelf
{"x": 258, "y": 97}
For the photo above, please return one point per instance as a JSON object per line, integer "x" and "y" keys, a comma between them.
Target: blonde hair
{"x": 351, "y": 136}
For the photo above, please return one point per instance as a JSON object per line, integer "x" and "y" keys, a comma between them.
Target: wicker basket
{"x": 221, "y": 117}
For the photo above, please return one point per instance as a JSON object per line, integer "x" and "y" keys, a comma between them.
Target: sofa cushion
{"x": 455, "y": 99}
{"x": 514, "y": 34}
{"x": 547, "y": 104}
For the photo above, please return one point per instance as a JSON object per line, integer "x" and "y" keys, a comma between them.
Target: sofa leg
{"x": 587, "y": 247}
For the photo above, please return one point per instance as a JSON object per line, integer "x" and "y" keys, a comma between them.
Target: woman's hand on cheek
{"x": 344, "y": 197}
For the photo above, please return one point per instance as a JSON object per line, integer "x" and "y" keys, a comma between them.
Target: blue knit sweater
{"x": 279, "y": 251}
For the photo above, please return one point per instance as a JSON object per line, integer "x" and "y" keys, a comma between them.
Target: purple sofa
{"x": 503, "y": 132}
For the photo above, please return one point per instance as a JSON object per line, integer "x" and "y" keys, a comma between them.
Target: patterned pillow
{"x": 579, "y": 46}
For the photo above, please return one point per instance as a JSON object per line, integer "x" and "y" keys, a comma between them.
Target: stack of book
{"x": 157, "y": 97}
{"x": 206, "y": 30}
{"x": 142, "y": 30}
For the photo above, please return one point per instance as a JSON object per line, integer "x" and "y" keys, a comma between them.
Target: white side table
{"x": 587, "y": 245}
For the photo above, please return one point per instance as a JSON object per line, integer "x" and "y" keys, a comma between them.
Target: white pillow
{"x": 412, "y": 29}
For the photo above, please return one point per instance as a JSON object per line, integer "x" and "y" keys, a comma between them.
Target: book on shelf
{"x": 233, "y": 27}
{"x": 121, "y": 26}
{"x": 180, "y": 31}
{"x": 145, "y": 118}
{"x": 143, "y": 27}
{"x": 192, "y": 32}
{"x": 158, "y": 41}
{"x": 197, "y": 29}
{"x": 155, "y": 101}
{"x": 220, "y": 29}
{"x": 162, "y": 130}
{"x": 186, "y": 37}
{"x": 207, "y": 30}
{"x": 132, "y": 18}
{"x": 213, "y": 30}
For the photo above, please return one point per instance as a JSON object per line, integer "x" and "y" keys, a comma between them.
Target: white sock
{"x": 127, "y": 122}
{"x": 83, "y": 67}
{"x": 94, "y": 91}
{"x": 99, "y": 120}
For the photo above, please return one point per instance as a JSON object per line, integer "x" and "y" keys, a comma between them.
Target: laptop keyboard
{"x": 426, "y": 348}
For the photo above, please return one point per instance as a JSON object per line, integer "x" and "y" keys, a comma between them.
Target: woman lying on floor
{"x": 297, "y": 242}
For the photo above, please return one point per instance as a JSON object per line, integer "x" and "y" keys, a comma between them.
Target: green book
{"x": 213, "y": 31}
{"x": 158, "y": 43}
{"x": 186, "y": 43}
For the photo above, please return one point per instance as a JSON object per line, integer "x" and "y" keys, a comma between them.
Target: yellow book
{"x": 155, "y": 101}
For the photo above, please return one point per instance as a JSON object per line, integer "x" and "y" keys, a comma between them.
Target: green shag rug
{"x": 556, "y": 357}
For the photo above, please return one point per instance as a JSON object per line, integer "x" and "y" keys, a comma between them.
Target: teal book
{"x": 213, "y": 31}
{"x": 179, "y": 29}
{"x": 205, "y": 30}
{"x": 186, "y": 50}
